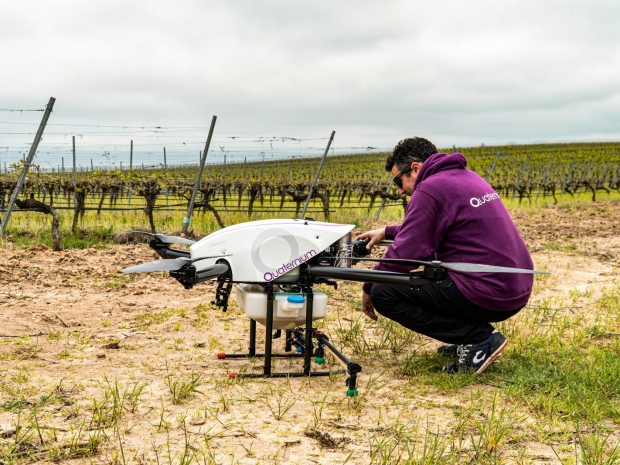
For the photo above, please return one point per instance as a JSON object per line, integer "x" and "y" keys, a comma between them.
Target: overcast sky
{"x": 459, "y": 73}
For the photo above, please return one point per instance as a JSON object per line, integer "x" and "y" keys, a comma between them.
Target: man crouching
{"x": 453, "y": 216}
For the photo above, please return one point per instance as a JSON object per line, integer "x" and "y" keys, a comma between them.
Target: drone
{"x": 275, "y": 265}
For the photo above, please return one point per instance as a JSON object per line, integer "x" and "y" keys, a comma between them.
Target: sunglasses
{"x": 397, "y": 179}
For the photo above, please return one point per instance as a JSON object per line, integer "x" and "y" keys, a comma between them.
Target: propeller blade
{"x": 172, "y": 264}
{"x": 168, "y": 239}
{"x": 472, "y": 268}
{"x": 463, "y": 267}
{"x": 158, "y": 265}
{"x": 173, "y": 239}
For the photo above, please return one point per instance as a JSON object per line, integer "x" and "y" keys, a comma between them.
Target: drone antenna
{"x": 318, "y": 173}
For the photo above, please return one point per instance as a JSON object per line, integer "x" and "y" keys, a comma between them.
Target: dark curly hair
{"x": 409, "y": 150}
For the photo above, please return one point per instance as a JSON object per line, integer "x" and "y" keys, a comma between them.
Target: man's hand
{"x": 376, "y": 235}
{"x": 368, "y": 308}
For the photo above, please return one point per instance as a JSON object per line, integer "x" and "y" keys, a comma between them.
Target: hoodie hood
{"x": 440, "y": 162}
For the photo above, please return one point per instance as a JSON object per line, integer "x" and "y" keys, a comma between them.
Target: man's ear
{"x": 415, "y": 166}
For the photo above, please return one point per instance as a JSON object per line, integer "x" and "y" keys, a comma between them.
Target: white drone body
{"x": 267, "y": 250}
{"x": 270, "y": 251}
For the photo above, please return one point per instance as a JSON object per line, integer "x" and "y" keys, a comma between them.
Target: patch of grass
{"x": 406, "y": 444}
{"x": 277, "y": 402}
{"x": 593, "y": 449}
{"x": 106, "y": 322}
{"x": 181, "y": 388}
{"x": 147, "y": 319}
{"x": 572, "y": 380}
{"x": 99, "y": 237}
{"x": 120, "y": 281}
{"x": 80, "y": 338}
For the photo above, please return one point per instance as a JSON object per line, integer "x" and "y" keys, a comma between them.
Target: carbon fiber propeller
{"x": 169, "y": 264}
{"x": 168, "y": 239}
{"x": 463, "y": 267}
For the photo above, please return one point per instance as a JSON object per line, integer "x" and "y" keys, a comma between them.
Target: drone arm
{"x": 189, "y": 277}
{"x": 370, "y": 276}
{"x": 212, "y": 272}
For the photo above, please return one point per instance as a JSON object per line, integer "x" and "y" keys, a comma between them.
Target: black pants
{"x": 437, "y": 310}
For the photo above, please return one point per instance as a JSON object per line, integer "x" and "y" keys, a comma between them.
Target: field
{"x": 351, "y": 187}
{"x": 100, "y": 367}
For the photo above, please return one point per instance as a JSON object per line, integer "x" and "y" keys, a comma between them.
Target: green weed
{"x": 183, "y": 387}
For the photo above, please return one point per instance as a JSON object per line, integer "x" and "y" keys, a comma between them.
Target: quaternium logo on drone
{"x": 295, "y": 258}
{"x": 477, "y": 201}
{"x": 268, "y": 276}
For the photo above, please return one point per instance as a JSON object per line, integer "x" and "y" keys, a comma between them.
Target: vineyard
{"x": 102, "y": 366}
{"x": 350, "y": 187}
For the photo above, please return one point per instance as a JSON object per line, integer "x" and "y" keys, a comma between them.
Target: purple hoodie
{"x": 455, "y": 216}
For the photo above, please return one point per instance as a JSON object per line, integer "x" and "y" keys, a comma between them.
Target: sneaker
{"x": 476, "y": 357}
{"x": 448, "y": 351}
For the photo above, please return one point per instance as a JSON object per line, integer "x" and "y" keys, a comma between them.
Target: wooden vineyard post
{"x": 224, "y": 169}
{"x": 165, "y": 166}
{"x": 190, "y": 208}
{"x": 318, "y": 173}
{"x": 74, "y": 177}
{"x": 22, "y": 176}
{"x": 224, "y": 183}
{"x": 492, "y": 168}
{"x": 130, "y": 169}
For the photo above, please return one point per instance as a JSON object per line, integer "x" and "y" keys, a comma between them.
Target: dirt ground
{"x": 71, "y": 321}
